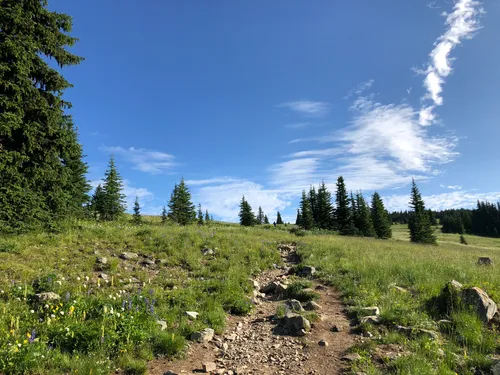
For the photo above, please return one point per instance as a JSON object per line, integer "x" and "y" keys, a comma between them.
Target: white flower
{"x": 61, "y": 312}
{"x": 18, "y": 298}
{"x": 46, "y": 306}
{"x": 114, "y": 298}
{"x": 19, "y": 345}
{"x": 52, "y": 316}
{"x": 19, "y": 288}
{"x": 123, "y": 309}
{"x": 32, "y": 311}
{"x": 62, "y": 278}
{"x": 59, "y": 282}
{"x": 67, "y": 329}
{"x": 1, "y": 291}
{"x": 118, "y": 314}
{"x": 87, "y": 278}
{"x": 85, "y": 285}
{"x": 110, "y": 296}
{"x": 78, "y": 278}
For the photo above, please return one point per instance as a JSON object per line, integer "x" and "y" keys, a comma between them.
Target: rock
{"x": 103, "y": 276}
{"x": 312, "y": 306}
{"x": 205, "y": 335}
{"x": 295, "y": 323}
{"x": 323, "y": 342}
{"x": 231, "y": 337}
{"x": 147, "y": 262}
{"x": 255, "y": 284}
{"x": 209, "y": 366}
{"x": 482, "y": 303}
{"x": 206, "y": 251}
{"x": 192, "y": 314}
{"x": 101, "y": 260}
{"x": 161, "y": 261}
{"x": 400, "y": 289}
{"x": 163, "y": 324}
{"x": 293, "y": 305}
{"x": 128, "y": 256}
{"x": 372, "y": 310}
{"x": 351, "y": 357}
{"x": 170, "y": 372}
{"x": 269, "y": 288}
{"x": 409, "y": 331}
{"x": 485, "y": 261}
{"x": 337, "y": 328}
{"x": 372, "y": 319}
{"x": 307, "y": 271}
{"x": 495, "y": 368}
{"x": 47, "y": 296}
{"x": 455, "y": 285}
{"x": 280, "y": 289}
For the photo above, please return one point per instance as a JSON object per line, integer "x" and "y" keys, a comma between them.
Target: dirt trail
{"x": 253, "y": 345}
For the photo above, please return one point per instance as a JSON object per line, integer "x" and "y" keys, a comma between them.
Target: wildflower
{"x": 87, "y": 278}
{"x": 19, "y": 345}
{"x": 85, "y": 286}
{"x": 32, "y": 311}
{"x": 32, "y": 337}
{"x": 46, "y": 306}
{"x": 78, "y": 278}
{"x": 19, "y": 288}
{"x": 71, "y": 309}
{"x": 67, "y": 329}
{"x": 61, "y": 312}
{"x": 118, "y": 315}
{"x": 25, "y": 341}
{"x": 52, "y": 316}
{"x": 59, "y": 282}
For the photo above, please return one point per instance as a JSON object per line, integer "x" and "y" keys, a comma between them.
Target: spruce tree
{"x": 266, "y": 219}
{"x": 260, "y": 216}
{"x": 279, "y": 220}
{"x": 363, "y": 218}
{"x": 182, "y": 210}
{"x": 42, "y": 176}
{"x": 247, "y": 217}
{"x": 164, "y": 215}
{"x": 380, "y": 218}
{"x": 114, "y": 200}
{"x": 419, "y": 224}
{"x": 97, "y": 202}
{"x": 200, "y": 215}
{"x": 324, "y": 208}
{"x": 343, "y": 212}
{"x": 136, "y": 216}
{"x": 307, "y": 216}
{"x": 313, "y": 199}
{"x": 298, "y": 220}
{"x": 207, "y": 216}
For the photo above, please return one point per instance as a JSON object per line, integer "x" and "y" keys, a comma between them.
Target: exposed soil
{"x": 253, "y": 344}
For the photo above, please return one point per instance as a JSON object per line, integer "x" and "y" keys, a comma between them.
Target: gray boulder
{"x": 372, "y": 310}
{"x": 128, "y": 256}
{"x": 192, "y": 314}
{"x": 307, "y": 271}
{"x": 482, "y": 303}
{"x": 485, "y": 261}
{"x": 293, "y": 305}
{"x": 295, "y": 323}
{"x": 204, "y": 335}
{"x": 47, "y": 296}
{"x": 312, "y": 306}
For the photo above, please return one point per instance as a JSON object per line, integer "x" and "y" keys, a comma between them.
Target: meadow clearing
{"x": 119, "y": 313}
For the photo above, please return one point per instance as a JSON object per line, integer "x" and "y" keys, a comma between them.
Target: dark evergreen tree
{"x": 181, "y": 210}
{"x": 363, "y": 218}
{"x": 42, "y": 176}
{"x": 136, "y": 216}
{"x": 207, "y": 216}
{"x": 305, "y": 208}
{"x": 260, "y": 216}
{"x": 164, "y": 215}
{"x": 279, "y": 220}
{"x": 324, "y": 208}
{"x": 247, "y": 217}
{"x": 266, "y": 219}
{"x": 97, "y": 202}
{"x": 432, "y": 217}
{"x": 380, "y": 218}
{"x": 114, "y": 200}
{"x": 200, "y": 215}
{"x": 298, "y": 220}
{"x": 343, "y": 212}
{"x": 419, "y": 225}
{"x": 313, "y": 199}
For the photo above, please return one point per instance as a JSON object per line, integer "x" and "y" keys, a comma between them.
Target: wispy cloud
{"x": 296, "y": 174}
{"x": 144, "y": 160}
{"x": 298, "y": 125}
{"x": 308, "y": 108}
{"x": 211, "y": 181}
{"x": 360, "y": 88}
{"x": 452, "y": 187}
{"x": 454, "y": 199}
{"x": 462, "y": 23}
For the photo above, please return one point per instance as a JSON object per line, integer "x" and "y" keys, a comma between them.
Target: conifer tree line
{"x": 248, "y": 217}
{"x": 350, "y": 215}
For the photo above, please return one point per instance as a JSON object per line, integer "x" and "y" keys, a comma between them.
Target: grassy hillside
{"x": 100, "y": 324}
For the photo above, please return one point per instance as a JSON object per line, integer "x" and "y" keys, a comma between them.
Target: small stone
{"x": 296, "y": 323}
{"x": 373, "y": 319}
{"x": 101, "y": 260}
{"x": 312, "y": 306}
{"x": 485, "y": 261}
{"x": 206, "y": 251}
{"x": 103, "y": 276}
{"x": 269, "y": 288}
{"x": 351, "y": 357}
{"x": 203, "y": 336}
{"x": 372, "y": 310}
{"x": 170, "y": 372}
{"x": 209, "y": 366}
{"x": 307, "y": 271}
{"x": 192, "y": 314}
{"x": 323, "y": 343}
{"x": 128, "y": 256}
{"x": 161, "y": 261}
{"x": 255, "y": 284}
{"x": 337, "y": 328}
{"x": 293, "y": 305}
{"x": 231, "y": 337}
{"x": 47, "y": 296}
{"x": 147, "y": 262}
{"x": 163, "y": 324}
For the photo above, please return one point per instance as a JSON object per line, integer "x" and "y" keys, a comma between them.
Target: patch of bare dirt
{"x": 251, "y": 344}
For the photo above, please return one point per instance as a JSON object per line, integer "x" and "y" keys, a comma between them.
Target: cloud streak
{"x": 148, "y": 161}
{"x": 308, "y": 108}
{"x": 462, "y": 23}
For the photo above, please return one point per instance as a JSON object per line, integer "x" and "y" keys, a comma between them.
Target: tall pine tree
{"x": 363, "y": 218}
{"x": 298, "y": 220}
{"x": 343, "y": 212}
{"x": 207, "y": 216}
{"x": 307, "y": 216}
{"x": 114, "y": 200}
{"x": 42, "y": 176}
{"x": 279, "y": 220}
{"x": 313, "y": 199}
{"x": 164, "y": 215}
{"x": 181, "y": 210}
{"x": 260, "y": 216}
{"x": 266, "y": 219}
{"x": 324, "y": 208}
{"x": 136, "y": 216}
{"x": 380, "y": 218}
{"x": 247, "y": 217}
{"x": 97, "y": 202}
{"x": 419, "y": 224}
{"x": 200, "y": 215}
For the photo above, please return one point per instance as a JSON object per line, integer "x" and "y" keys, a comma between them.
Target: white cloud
{"x": 455, "y": 199}
{"x": 452, "y": 187}
{"x": 462, "y": 23}
{"x": 148, "y": 161}
{"x": 296, "y": 174}
{"x": 308, "y": 107}
{"x": 314, "y": 153}
{"x": 298, "y": 125}
{"x": 360, "y": 88}
{"x": 223, "y": 200}
{"x": 211, "y": 181}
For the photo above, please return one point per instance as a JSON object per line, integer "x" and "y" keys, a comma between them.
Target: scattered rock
{"x": 192, "y": 314}
{"x": 163, "y": 324}
{"x": 485, "y": 261}
{"x": 269, "y": 288}
{"x": 293, "y": 305}
{"x": 351, "y": 357}
{"x": 206, "y": 251}
{"x": 495, "y": 369}
{"x": 170, "y": 372}
{"x": 338, "y": 328}
{"x": 103, "y": 276}
{"x": 295, "y": 323}
{"x": 280, "y": 289}
{"x": 307, "y": 271}
{"x": 372, "y": 319}
{"x": 312, "y": 306}
{"x": 128, "y": 256}
{"x": 418, "y": 332}
{"x": 372, "y": 310}
{"x": 255, "y": 284}
{"x": 209, "y": 366}
{"x": 205, "y": 335}
{"x": 147, "y": 262}
{"x": 47, "y": 296}
{"x": 161, "y": 261}
{"x": 323, "y": 342}
{"x": 101, "y": 260}
{"x": 482, "y": 303}
{"x": 400, "y": 289}
{"x": 231, "y": 337}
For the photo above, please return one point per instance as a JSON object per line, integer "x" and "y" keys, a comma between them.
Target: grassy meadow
{"x": 136, "y": 313}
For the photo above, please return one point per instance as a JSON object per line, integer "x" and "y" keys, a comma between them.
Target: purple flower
{"x": 151, "y": 292}
{"x": 67, "y": 296}
{"x": 32, "y": 337}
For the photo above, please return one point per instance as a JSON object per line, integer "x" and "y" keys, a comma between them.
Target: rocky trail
{"x": 261, "y": 344}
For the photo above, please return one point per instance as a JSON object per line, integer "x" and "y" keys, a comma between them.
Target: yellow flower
{"x": 25, "y": 341}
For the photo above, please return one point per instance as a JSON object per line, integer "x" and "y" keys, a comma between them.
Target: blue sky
{"x": 265, "y": 98}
